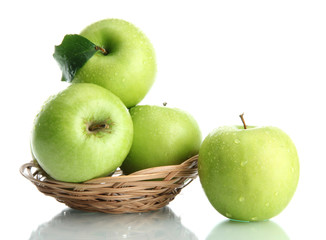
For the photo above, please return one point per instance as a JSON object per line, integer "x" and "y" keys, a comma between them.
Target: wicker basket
{"x": 146, "y": 190}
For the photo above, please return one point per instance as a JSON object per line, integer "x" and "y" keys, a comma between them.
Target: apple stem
{"x": 243, "y": 121}
{"x": 102, "y": 50}
{"x": 165, "y": 103}
{"x": 97, "y": 127}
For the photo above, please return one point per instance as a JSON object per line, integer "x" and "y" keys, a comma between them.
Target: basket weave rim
{"x": 144, "y": 174}
{"x": 142, "y": 191}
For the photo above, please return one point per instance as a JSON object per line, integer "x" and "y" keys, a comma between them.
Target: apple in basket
{"x": 83, "y": 132}
{"x": 162, "y": 136}
{"x": 124, "y": 63}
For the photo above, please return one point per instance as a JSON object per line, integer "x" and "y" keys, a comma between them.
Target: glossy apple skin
{"x": 162, "y": 136}
{"x": 248, "y": 174}
{"x": 130, "y": 67}
{"x": 61, "y": 140}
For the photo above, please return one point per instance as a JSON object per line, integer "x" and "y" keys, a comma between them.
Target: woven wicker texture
{"x": 146, "y": 190}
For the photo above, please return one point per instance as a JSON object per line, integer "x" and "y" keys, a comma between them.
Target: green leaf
{"x": 72, "y": 54}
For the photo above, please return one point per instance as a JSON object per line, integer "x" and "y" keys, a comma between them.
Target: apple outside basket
{"x": 142, "y": 191}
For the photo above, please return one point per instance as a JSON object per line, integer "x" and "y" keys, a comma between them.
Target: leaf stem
{"x": 243, "y": 121}
{"x": 103, "y": 50}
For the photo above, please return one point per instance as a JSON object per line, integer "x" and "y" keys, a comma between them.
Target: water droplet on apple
{"x": 276, "y": 193}
{"x": 254, "y": 218}
{"x": 267, "y": 204}
{"x": 292, "y": 169}
{"x": 228, "y": 214}
{"x": 241, "y": 199}
{"x": 236, "y": 141}
{"x": 243, "y": 163}
{"x": 115, "y": 73}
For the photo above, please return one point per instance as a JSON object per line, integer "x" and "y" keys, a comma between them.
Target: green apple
{"x": 129, "y": 68}
{"x": 162, "y": 136}
{"x": 248, "y": 174}
{"x": 82, "y": 133}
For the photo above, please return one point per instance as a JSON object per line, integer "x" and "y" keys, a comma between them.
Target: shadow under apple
{"x": 267, "y": 230}
{"x": 78, "y": 225}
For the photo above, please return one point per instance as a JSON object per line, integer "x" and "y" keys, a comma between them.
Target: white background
{"x": 216, "y": 59}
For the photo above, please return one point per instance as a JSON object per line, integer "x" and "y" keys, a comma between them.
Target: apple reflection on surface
{"x": 266, "y": 230}
{"x": 77, "y": 225}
